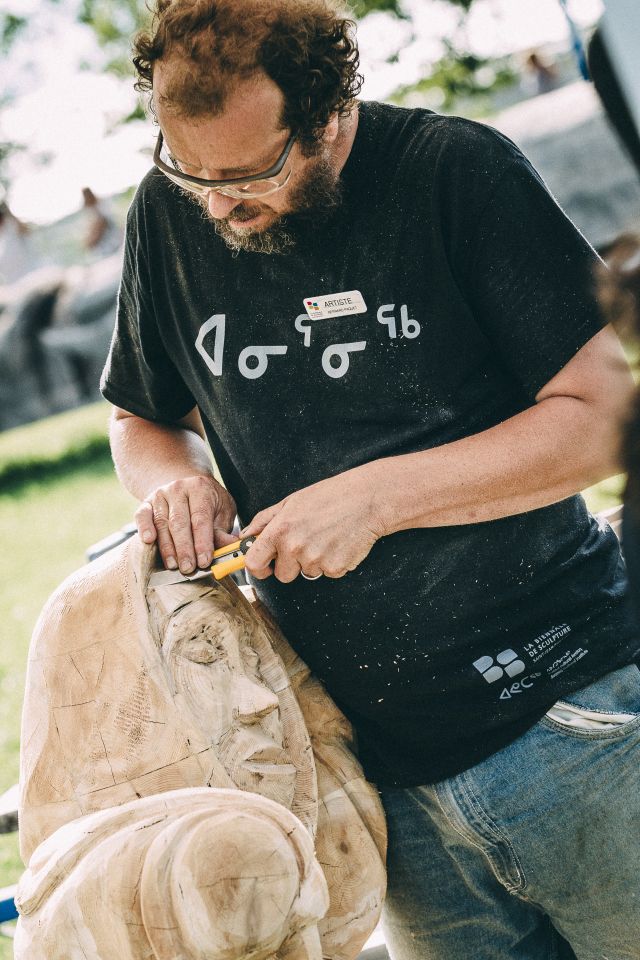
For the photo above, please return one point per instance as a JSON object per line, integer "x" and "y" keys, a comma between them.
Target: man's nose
{"x": 252, "y": 700}
{"x": 219, "y": 205}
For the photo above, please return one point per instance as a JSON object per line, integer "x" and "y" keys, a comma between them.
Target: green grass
{"x": 53, "y": 445}
{"x": 46, "y": 525}
{"x": 605, "y": 495}
{"x": 45, "y": 528}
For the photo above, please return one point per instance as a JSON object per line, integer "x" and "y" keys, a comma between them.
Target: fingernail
{"x": 171, "y": 563}
{"x": 186, "y": 566}
{"x": 203, "y": 560}
{"x": 147, "y": 536}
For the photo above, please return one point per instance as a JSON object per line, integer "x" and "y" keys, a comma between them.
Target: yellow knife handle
{"x": 235, "y": 552}
{"x": 230, "y": 548}
{"x": 224, "y": 567}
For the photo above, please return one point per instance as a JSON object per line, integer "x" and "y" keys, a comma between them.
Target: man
{"x": 382, "y": 323}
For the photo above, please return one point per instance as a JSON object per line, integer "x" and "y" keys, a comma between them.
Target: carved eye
{"x": 200, "y": 650}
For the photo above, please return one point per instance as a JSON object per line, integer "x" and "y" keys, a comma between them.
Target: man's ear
{"x": 330, "y": 132}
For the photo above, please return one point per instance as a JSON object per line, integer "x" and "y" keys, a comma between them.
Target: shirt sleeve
{"x": 528, "y": 273}
{"x": 139, "y": 375}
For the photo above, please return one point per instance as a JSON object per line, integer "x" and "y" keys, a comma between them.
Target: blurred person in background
{"x": 383, "y": 324}
{"x": 16, "y": 250}
{"x": 102, "y": 235}
{"x": 545, "y": 74}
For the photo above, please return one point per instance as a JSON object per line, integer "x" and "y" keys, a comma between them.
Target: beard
{"x": 314, "y": 198}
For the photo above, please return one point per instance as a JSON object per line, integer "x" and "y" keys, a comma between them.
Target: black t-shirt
{"x": 445, "y": 643}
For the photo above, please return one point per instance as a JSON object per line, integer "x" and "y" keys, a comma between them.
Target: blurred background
{"x": 74, "y": 142}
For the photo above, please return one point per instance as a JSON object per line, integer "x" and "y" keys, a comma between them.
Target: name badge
{"x": 335, "y": 305}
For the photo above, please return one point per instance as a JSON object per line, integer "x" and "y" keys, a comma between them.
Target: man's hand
{"x": 328, "y": 528}
{"x": 167, "y": 466}
{"x": 188, "y": 517}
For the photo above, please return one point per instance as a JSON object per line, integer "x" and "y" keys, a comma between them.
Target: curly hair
{"x": 619, "y": 296}
{"x": 305, "y": 46}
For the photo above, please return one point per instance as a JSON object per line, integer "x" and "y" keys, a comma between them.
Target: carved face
{"x": 136, "y": 690}
{"x": 217, "y": 674}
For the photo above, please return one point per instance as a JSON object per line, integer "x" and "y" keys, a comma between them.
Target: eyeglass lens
{"x": 255, "y": 188}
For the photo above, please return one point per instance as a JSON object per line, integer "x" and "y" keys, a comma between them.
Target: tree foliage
{"x": 456, "y": 73}
{"x": 10, "y": 27}
{"x": 459, "y": 76}
{"x": 361, "y": 8}
{"x": 114, "y": 22}
{"x": 111, "y": 20}
{"x": 465, "y": 4}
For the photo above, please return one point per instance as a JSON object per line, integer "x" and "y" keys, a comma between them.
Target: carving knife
{"x": 226, "y": 560}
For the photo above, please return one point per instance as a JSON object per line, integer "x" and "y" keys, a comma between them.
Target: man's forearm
{"x": 531, "y": 460}
{"x": 535, "y": 458}
{"x": 149, "y": 455}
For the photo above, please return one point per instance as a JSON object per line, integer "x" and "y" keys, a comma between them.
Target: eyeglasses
{"x": 257, "y": 185}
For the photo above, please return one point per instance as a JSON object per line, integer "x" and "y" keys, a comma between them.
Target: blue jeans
{"x": 532, "y": 854}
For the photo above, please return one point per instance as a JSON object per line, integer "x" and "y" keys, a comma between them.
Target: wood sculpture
{"x": 187, "y": 787}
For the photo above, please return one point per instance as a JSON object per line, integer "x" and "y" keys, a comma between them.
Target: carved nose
{"x": 253, "y": 701}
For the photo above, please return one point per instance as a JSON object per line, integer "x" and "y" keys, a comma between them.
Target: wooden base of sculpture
{"x": 189, "y": 873}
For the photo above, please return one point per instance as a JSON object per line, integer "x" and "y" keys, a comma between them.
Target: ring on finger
{"x": 308, "y": 577}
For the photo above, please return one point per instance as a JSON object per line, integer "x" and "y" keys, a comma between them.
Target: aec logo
{"x": 509, "y": 664}
{"x": 512, "y": 666}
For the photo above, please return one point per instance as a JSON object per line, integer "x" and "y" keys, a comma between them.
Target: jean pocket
{"x": 607, "y": 708}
